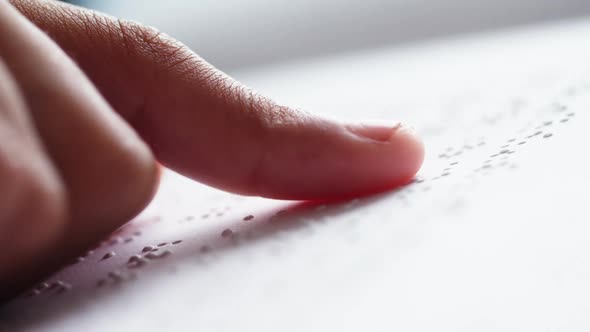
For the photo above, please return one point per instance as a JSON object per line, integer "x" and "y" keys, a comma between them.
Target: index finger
{"x": 209, "y": 127}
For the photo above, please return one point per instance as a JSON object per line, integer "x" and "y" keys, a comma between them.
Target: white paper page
{"x": 492, "y": 236}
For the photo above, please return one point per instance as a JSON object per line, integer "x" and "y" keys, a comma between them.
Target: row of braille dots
{"x": 55, "y": 287}
{"x": 214, "y": 212}
{"x": 150, "y": 253}
{"x": 147, "y": 254}
{"x": 451, "y": 154}
{"x": 540, "y": 131}
{"x": 110, "y": 242}
{"x": 228, "y": 233}
{"x": 113, "y": 240}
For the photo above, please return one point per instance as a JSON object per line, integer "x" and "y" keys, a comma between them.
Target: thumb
{"x": 200, "y": 122}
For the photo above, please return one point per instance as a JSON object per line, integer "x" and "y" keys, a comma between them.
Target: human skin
{"x": 88, "y": 103}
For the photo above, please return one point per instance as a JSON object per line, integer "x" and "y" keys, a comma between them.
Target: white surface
{"x": 478, "y": 249}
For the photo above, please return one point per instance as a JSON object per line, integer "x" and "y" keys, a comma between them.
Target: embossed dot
{"x": 153, "y": 255}
{"x": 148, "y": 248}
{"x": 108, "y": 255}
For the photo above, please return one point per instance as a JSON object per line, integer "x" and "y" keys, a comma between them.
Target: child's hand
{"x": 78, "y": 144}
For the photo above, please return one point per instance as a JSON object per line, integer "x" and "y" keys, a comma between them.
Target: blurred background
{"x": 234, "y": 34}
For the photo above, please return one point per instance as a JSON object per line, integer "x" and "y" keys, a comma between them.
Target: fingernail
{"x": 377, "y": 132}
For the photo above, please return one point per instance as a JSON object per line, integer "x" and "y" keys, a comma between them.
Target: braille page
{"x": 493, "y": 234}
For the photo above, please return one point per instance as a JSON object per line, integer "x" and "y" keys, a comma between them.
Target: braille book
{"x": 493, "y": 233}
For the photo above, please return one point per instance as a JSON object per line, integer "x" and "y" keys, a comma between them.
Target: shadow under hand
{"x": 25, "y": 312}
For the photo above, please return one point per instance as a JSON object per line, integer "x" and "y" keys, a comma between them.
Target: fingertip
{"x": 408, "y": 150}
{"x": 327, "y": 160}
{"x": 390, "y": 156}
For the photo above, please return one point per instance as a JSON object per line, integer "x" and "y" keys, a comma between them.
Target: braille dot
{"x": 512, "y": 140}
{"x": 115, "y": 275}
{"x": 248, "y": 217}
{"x": 101, "y": 282}
{"x": 226, "y": 232}
{"x": 189, "y": 218}
{"x": 504, "y": 151}
{"x": 60, "y": 286}
{"x": 219, "y": 214}
{"x": 137, "y": 233}
{"x": 162, "y": 244}
{"x": 547, "y": 135}
{"x": 571, "y": 114}
{"x": 445, "y": 174}
{"x": 153, "y": 255}
{"x": 454, "y": 163}
{"x": 521, "y": 143}
{"x": 147, "y": 248}
{"x": 136, "y": 261}
{"x": 205, "y": 216}
{"x": 64, "y": 287}
{"x": 42, "y": 286}
{"x": 177, "y": 242}
{"x": 547, "y": 123}
{"x": 114, "y": 241}
{"x": 129, "y": 239}
{"x": 505, "y": 146}
{"x": 204, "y": 249}
{"x": 564, "y": 120}
{"x": 134, "y": 258}
{"x": 108, "y": 255}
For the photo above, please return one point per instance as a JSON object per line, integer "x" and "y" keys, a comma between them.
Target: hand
{"x": 79, "y": 139}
